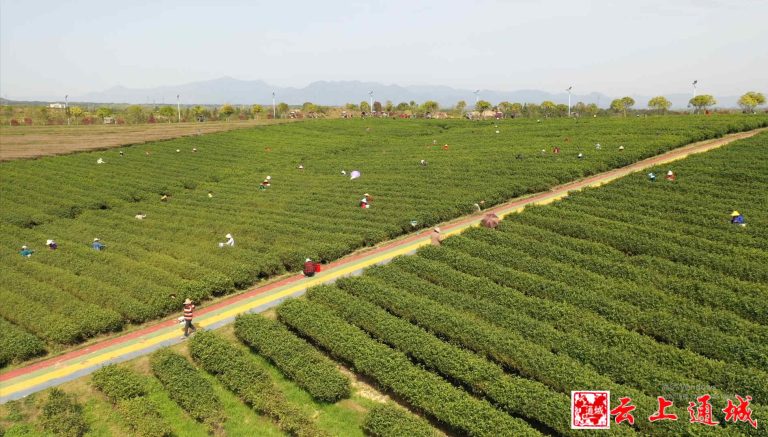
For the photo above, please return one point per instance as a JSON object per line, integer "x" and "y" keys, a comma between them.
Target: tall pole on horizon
{"x": 66, "y": 107}
{"x": 569, "y": 100}
{"x": 477, "y": 96}
{"x": 274, "y": 111}
{"x": 178, "y": 107}
{"x": 694, "y": 94}
{"x": 370, "y": 93}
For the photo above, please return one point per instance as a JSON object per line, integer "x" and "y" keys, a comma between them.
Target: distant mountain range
{"x": 234, "y": 91}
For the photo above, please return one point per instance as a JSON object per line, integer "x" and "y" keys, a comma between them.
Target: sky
{"x": 49, "y": 48}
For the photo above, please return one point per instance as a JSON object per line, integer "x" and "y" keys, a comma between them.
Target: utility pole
{"x": 370, "y": 93}
{"x": 178, "y": 107}
{"x": 274, "y": 110}
{"x": 66, "y": 107}
{"x": 569, "y": 100}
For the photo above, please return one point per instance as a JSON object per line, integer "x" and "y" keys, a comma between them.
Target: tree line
{"x": 137, "y": 114}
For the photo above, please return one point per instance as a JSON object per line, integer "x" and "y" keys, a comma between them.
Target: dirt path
{"x": 20, "y": 382}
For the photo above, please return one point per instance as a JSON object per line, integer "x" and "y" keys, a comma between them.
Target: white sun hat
{"x": 228, "y": 236}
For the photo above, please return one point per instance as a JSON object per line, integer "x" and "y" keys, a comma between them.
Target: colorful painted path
{"x": 18, "y": 383}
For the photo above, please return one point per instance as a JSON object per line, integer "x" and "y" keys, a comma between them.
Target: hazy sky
{"x": 49, "y": 48}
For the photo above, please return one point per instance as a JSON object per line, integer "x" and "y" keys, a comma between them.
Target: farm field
{"x": 59, "y": 298}
{"x": 641, "y": 288}
{"x": 32, "y": 141}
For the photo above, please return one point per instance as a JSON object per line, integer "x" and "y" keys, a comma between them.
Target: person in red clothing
{"x": 309, "y": 268}
{"x": 189, "y": 310}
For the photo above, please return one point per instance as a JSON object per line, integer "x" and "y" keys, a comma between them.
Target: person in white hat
{"x": 436, "y": 238}
{"x": 189, "y": 310}
{"x": 51, "y": 244}
{"x": 365, "y": 201}
{"x": 230, "y": 241}
{"x": 26, "y": 252}
{"x": 98, "y": 245}
{"x": 140, "y": 216}
{"x": 266, "y": 183}
{"x": 670, "y": 176}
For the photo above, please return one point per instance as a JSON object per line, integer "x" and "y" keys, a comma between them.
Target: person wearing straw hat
{"x": 436, "y": 238}
{"x": 670, "y": 176}
{"x": 230, "y": 241}
{"x": 26, "y": 252}
{"x": 309, "y": 268}
{"x": 98, "y": 245}
{"x": 51, "y": 244}
{"x": 737, "y": 218}
{"x": 189, "y": 310}
{"x": 365, "y": 201}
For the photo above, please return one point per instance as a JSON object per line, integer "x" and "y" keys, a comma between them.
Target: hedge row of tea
{"x": 181, "y": 392}
{"x": 642, "y": 288}
{"x": 150, "y": 266}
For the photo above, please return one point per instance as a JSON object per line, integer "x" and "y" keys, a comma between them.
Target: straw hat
{"x": 187, "y": 302}
{"x": 95, "y": 239}
{"x": 228, "y": 236}
{"x": 735, "y": 213}
{"x": 669, "y": 173}
{"x": 23, "y": 247}
{"x": 269, "y": 177}
{"x": 307, "y": 260}
{"x": 437, "y": 229}
{"x": 367, "y": 195}
{"x": 48, "y": 242}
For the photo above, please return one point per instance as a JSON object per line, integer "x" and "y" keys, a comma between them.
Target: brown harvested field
{"x": 30, "y": 141}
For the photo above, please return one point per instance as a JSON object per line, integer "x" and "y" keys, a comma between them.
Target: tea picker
{"x": 98, "y": 245}
{"x": 436, "y": 238}
{"x": 229, "y": 243}
{"x": 26, "y": 252}
{"x": 737, "y": 219}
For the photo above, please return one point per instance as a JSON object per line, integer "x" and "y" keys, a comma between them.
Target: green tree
{"x": 516, "y": 109}
{"x": 482, "y": 105}
{"x": 505, "y": 108}
{"x": 622, "y": 105}
{"x": 257, "y": 110}
{"x": 226, "y": 110}
{"x": 592, "y": 109}
{"x": 548, "y": 107}
{"x": 135, "y": 114}
{"x": 388, "y": 106}
{"x": 103, "y": 112}
{"x": 561, "y": 109}
{"x": 659, "y": 103}
{"x": 751, "y": 100}
{"x": 430, "y": 106}
{"x": 282, "y": 109}
{"x": 365, "y": 107}
{"x": 402, "y": 106}
{"x": 461, "y": 105}
{"x": 377, "y": 107}
{"x": 44, "y": 114}
{"x": 702, "y": 102}
{"x": 76, "y": 112}
{"x": 629, "y": 102}
{"x": 350, "y": 107}
{"x": 168, "y": 112}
